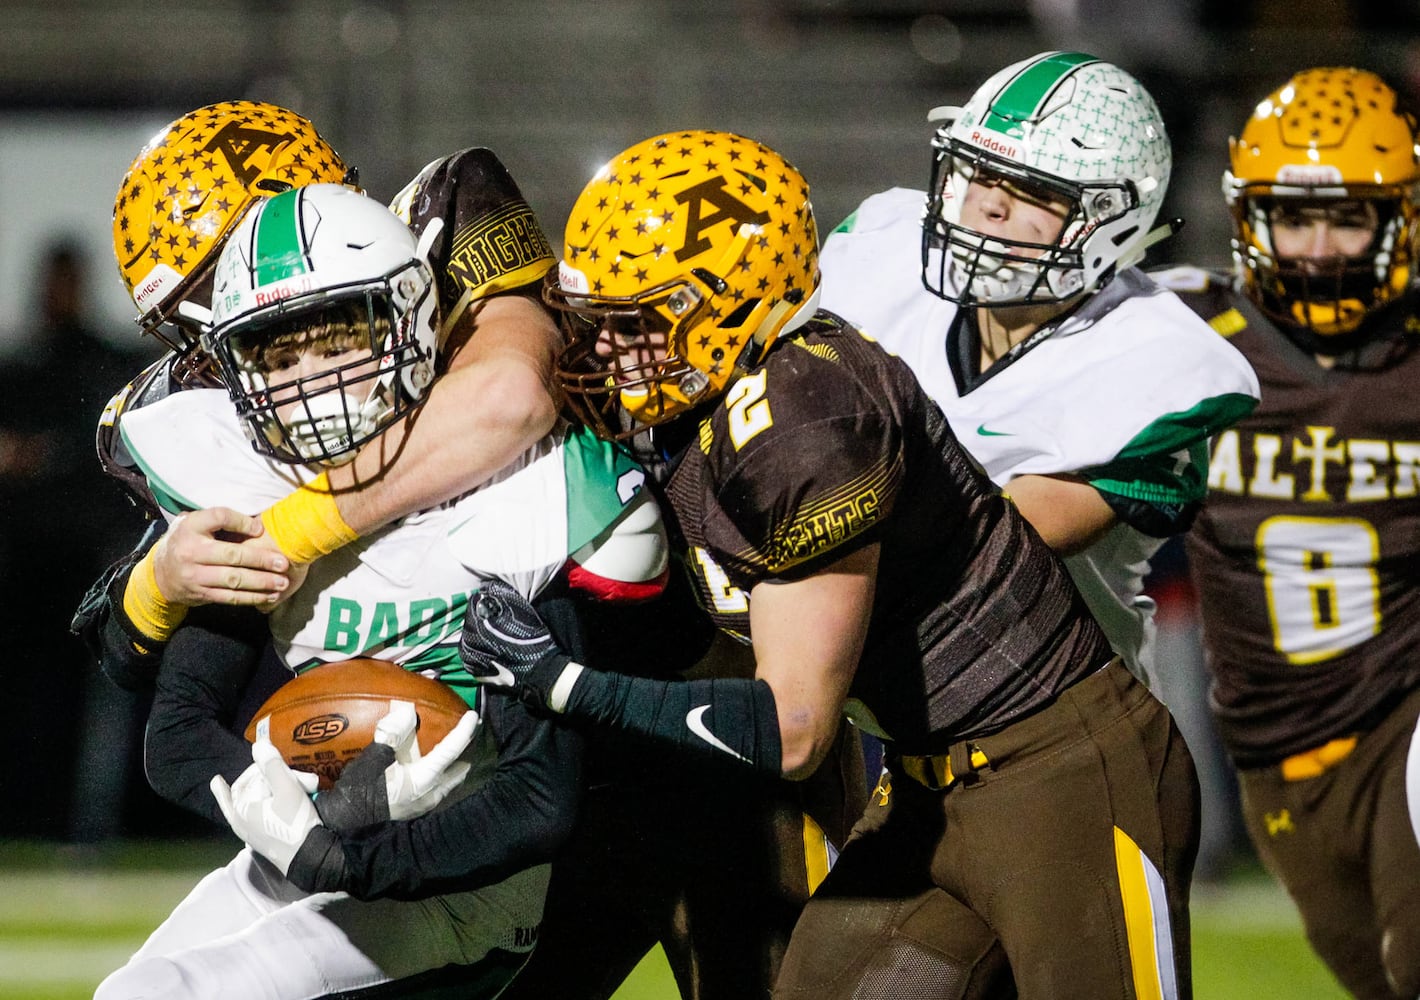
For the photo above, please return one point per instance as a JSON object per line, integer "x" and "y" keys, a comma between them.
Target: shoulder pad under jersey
{"x": 155, "y": 382}
{"x": 883, "y": 210}
{"x": 491, "y": 241}
{"x": 1211, "y": 294}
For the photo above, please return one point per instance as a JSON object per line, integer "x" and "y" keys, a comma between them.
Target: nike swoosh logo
{"x": 695, "y": 722}
{"x": 981, "y": 429}
{"x": 502, "y": 677}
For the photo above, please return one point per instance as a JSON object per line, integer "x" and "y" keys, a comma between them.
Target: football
{"x": 322, "y": 719}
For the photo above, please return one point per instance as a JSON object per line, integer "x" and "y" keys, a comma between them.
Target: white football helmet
{"x": 323, "y": 257}
{"x": 1066, "y": 124}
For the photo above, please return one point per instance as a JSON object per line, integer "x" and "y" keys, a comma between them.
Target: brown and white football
{"x": 322, "y": 719}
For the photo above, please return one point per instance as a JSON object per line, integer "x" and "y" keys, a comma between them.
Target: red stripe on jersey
{"x": 602, "y": 588}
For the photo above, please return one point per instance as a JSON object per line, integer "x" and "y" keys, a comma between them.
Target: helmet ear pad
{"x": 324, "y": 271}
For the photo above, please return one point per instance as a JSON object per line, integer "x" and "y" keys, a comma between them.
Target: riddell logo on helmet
{"x": 571, "y": 279}
{"x": 270, "y": 295}
{"x": 994, "y": 145}
{"x": 157, "y": 282}
{"x": 146, "y": 289}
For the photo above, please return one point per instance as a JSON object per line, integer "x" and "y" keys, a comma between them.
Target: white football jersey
{"x": 1130, "y": 380}
{"x": 399, "y": 593}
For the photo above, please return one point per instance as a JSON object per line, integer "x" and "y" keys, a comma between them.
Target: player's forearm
{"x": 519, "y": 818}
{"x": 494, "y": 401}
{"x": 726, "y": 719}
{"x": 476, "y": 420}
{"x": 506, "y": 643}
{"x": 1069, "y": 515}
{"x": 205, "y": 669}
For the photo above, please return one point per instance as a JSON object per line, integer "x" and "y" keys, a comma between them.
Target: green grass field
{"x": 68, "y": 917}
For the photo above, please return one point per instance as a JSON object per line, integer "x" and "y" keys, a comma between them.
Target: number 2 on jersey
{"x": 747, "y": 408}
{"x": 1322, "y": 594}
{"x": 724, "y": 596}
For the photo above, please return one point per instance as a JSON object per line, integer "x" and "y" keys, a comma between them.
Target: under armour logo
{"x": 1279, "y": 822}
{"x": 884, "y": 789}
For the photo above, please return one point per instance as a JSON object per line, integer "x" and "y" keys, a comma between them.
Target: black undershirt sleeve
{"x": 517, "y": 819}
{"x": 1158, "y": 520}
{"x": 191, "y": 736}
{"x": 726, "y": 719}
{"x": 526, "y": 810}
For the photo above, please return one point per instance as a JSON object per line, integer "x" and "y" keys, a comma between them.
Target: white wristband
{"x": 561, "y": 692}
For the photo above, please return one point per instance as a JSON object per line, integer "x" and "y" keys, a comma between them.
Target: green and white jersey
{"x": 399, "y": 594}
{"x": 1125, "y": 392}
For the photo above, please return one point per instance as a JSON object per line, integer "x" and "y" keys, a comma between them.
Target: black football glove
{"x": 391, "y": 779}
{"x": 505, "y": 645}
{"x": 358, "y": 799}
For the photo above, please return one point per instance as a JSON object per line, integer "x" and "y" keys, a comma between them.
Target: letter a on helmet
{"x": 700, "y": 243}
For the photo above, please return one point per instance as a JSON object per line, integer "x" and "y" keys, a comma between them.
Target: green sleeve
{"x": 1167, "y": 462}
{"x": 601, "y": 480}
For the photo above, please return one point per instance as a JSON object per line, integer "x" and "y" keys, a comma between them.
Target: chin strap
{"x": 1158, "y": 234}
{"x": 799, "y": 311}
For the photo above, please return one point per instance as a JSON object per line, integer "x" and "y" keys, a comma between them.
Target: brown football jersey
{"x": 1307, "y": 554}
{"x": 490, "y": 242}
{"x": 829, "y": 444}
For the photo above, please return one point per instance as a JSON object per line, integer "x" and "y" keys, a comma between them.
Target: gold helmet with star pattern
{"x": 1328, "y": 136}
{"x": 189, "y": 187}
{"x": 700, "y": 242}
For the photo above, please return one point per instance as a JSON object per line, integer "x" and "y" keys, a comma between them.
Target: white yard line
{"x": 60, "y": 960}
{"x": 86, "y": 896}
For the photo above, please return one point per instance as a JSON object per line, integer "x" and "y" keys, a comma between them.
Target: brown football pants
{"x": 1056, "y": 865}
{"x": 1344, "y": 846}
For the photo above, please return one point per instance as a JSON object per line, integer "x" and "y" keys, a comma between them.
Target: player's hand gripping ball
{"x": 323, "y": 719}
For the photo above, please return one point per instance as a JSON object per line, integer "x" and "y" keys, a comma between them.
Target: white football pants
{"x": 245, "y": 933}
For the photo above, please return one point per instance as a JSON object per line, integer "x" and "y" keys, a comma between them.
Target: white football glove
{"x": 269, "y": 806}
{"x": 390, "y": 780}
{"x": 415, "y": 784}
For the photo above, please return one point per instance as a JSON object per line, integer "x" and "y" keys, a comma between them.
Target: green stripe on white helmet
{"x": 1031, "y": 92}
{"x": 324, "y": 322}
{"x": 280, "y": 246}
{"x": 1063, "y": 122}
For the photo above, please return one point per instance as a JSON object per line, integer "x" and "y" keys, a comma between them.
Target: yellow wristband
{"x": 307, "y": 524}
{"x": 145, "y": 605}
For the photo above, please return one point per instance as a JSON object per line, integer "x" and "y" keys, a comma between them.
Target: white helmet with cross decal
{"x": 323, "y": 268}
{"x": 1070, "y": 125}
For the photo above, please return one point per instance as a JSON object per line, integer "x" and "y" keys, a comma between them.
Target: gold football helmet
{"x": 1327, "y": 136}
{"x": 701, "y": 248}
{"x": 190, "y": 186}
